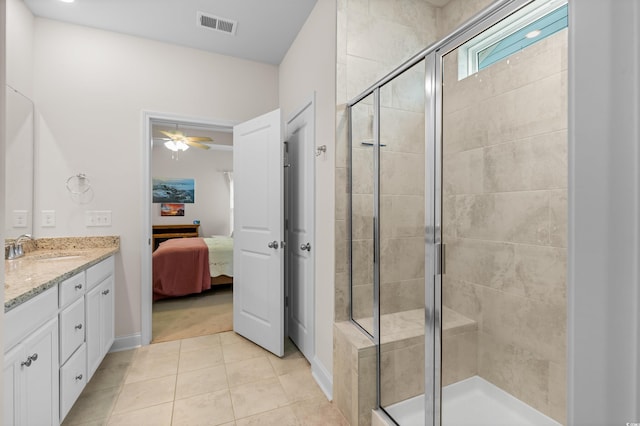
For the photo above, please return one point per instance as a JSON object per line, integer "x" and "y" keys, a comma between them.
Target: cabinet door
{"x": 93, "y": 330}
{"x": 107, "y": 334}
{"x": 100, "y": 323}
{"x": 41, "y": 376}
{"x": 12, "y": 388}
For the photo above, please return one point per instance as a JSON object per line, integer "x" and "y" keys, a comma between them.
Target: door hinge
{"x": 286, "y": 146}
{"x": 286, "y": 301}
{"x": 286, "y": 224}
{"x": 440, "y": 259}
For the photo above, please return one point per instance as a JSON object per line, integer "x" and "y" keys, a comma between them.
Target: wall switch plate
{"x": 20, "y": 218}
{"x": 48, "y": 218}
{"x": 97, "y": 218}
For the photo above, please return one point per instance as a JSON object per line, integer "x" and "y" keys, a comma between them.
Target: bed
{"x": 184, "y": 266}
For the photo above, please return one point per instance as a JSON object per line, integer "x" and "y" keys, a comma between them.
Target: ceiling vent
{"x": 217, "y": 23}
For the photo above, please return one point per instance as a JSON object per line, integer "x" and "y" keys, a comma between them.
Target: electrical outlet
{"x": 97, "y": 218}
{"x": 48, "y": 218}
{"x": 19, "y": 218}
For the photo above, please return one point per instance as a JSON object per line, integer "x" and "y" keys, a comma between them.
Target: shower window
{"x": 531, "y": 24}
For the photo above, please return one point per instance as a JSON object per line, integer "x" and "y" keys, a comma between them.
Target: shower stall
{"x": 457, "y": 223}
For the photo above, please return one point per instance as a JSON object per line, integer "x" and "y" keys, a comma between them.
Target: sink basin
{"x": 54, "y": 257}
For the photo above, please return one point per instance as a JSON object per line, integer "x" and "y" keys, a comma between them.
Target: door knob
{"x": 306, "y": 247}
{"x": 273, "y": 245}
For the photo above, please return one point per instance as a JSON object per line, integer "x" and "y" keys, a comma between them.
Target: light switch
{"x": 19, "y": 218}
{"x": 97, "y": 218}
{"x": 48, "y": 218}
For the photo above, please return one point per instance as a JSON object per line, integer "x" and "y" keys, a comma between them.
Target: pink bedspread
{"x": 180, "y": 267}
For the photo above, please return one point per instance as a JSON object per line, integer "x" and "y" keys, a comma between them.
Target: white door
{"x": 258, "y": 255}
{"x": 301, "y": 224}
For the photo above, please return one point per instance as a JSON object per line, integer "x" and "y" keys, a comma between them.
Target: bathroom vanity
{"x": 58, "y": 326}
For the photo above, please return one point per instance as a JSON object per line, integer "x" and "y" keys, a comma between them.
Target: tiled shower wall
{"x": 505, "y": 218}
{"x": 374, "y": 37}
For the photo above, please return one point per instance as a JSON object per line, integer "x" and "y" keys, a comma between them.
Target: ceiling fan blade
{"x": 199, "y": 139}
{"x": 196, "y": 144}
{"x": 172, "y": 135}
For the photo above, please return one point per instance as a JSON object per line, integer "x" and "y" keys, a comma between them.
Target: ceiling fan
{"x": 178, "y": 141}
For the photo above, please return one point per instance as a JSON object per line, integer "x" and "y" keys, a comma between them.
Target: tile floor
{"x": 220, "y": 379}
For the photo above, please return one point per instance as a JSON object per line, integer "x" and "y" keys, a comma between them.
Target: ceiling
{"x": 264, "y": 33}
{"x": 265, "y": 29}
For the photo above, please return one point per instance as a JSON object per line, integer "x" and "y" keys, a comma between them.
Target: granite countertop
{"x": 50, "y": 261}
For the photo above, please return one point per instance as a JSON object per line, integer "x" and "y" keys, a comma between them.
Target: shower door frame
{"x": 434, "y": 249}
{"x": 480, "y": 23}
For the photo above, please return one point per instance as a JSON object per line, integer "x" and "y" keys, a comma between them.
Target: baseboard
{"x": 322, "y": 377}
{"x": 124, "y": 343}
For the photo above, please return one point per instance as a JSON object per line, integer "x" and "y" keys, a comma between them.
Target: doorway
{"x": 307, "y": 170}
{"x": 199, "y": 155}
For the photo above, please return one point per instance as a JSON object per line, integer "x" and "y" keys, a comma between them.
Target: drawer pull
{"x": 79, "y": 377}
{"x": 104, "y": 293}
{"x": 78, "y": 286}
{"x": 78, "y": 327}
{"x": 29, "y": 360}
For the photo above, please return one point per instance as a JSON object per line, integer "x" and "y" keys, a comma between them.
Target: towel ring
{"x": 78, "y": 184}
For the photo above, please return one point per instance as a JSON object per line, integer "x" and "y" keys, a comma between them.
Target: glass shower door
{"x": 362, "y": 182}
{"x": 504, "y": 183}
{"x": 402, "y": 246}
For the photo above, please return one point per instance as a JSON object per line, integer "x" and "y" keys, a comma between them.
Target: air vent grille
{"x": 217, "y": 23}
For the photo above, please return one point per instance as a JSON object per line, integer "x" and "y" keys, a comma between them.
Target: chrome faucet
{"x": 9, "y": 251}
{"x": 14, "y": 250}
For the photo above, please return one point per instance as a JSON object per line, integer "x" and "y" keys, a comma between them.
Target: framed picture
{"x": 171, "y": 209}
{"x": 173, "y": 190}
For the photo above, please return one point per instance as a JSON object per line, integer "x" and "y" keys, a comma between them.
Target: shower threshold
{"x": 472, "y": 402}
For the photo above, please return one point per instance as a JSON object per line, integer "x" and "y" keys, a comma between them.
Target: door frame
{"x": 146, "y": 275}
{"x": 310, "y": 102}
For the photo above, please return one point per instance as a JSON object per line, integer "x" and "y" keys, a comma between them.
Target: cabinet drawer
{"x": 73, "y": 378}
{"x": 72, "y": 288}
{"x": 72, "y": 329}
{"x": 97, "y": 273}
{"x": 25, "y": 318}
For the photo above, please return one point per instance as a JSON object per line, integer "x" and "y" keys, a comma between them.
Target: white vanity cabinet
{"x": 54, "y": 343}
{"x": 100, "y": 313}
{"x": 73, "y": 361}
{"x": 31, "y": 363}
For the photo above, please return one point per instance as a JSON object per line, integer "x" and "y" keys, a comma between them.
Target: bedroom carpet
{"x": 194, "y": 315}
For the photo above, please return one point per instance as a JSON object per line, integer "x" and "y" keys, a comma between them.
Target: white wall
{"x": 604, "y": 212}
{"x": 3, "y": 80}
{"x": 91, "y": 88}
{"x": 310, "y": 65}
{"x": 211, "y": 204}
{"x": 20, "y": 25}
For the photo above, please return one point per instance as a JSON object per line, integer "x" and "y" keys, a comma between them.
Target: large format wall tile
{"x": 413, "y": 13}
{"x": 401, "y": 216}
{"x": 402, "y": 259}
{"x": 535, "y": 163}
{"x": 519, "y": 217}
{"x": 484, "y": 263}
{"x": 536, "y": 326}
{"x": 401, "y": 173}
{"x": 463, "y": 173}
{"x": 402, "y": 131}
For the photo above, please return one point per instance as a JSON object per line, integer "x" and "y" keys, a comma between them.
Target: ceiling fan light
{"x": 176, "y": 145}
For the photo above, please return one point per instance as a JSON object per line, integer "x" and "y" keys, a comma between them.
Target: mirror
{"x": 19, "y": 168}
